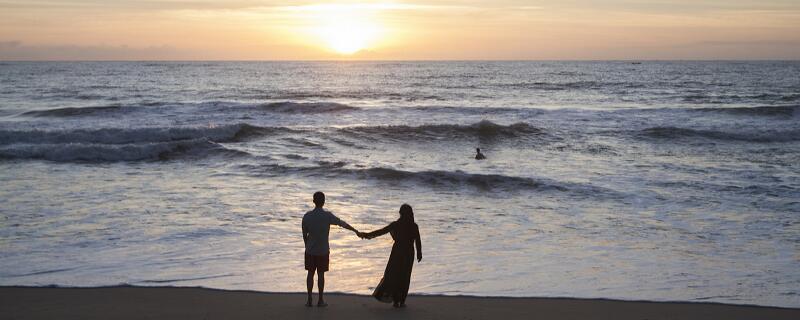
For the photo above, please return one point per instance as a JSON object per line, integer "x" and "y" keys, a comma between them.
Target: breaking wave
{"x": 133, "y": 144}
{"x": 115, "y": 152}
{"x": 227, "y": 133}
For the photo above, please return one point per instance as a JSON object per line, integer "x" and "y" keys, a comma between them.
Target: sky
{"x": 399, "y": 30}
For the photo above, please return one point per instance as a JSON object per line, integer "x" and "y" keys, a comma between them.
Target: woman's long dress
{"x": 394, "y": 285}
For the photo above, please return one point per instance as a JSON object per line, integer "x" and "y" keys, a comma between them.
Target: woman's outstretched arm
{"x": 418, "y": 242}
{"x": 379, "y": 232}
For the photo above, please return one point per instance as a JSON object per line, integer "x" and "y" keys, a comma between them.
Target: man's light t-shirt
{"x": 318, "y": 223}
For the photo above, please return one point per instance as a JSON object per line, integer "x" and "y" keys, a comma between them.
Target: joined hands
{"x": 362, "y": 235}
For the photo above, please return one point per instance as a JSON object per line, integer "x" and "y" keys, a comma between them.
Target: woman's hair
{"x": 406, "y": 213}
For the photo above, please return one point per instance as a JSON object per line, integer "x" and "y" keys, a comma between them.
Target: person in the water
{"x": 480, "y": 155}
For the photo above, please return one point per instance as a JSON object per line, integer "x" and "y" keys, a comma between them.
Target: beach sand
{"x": 201, "y": 303}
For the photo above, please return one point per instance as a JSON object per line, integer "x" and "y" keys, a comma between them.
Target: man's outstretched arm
{"x": 339, "y": 222}
{"x": 347, "y": 226}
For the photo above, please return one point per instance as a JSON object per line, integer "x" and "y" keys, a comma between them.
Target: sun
{"x": 348, "y": 37}
{"x": 345, "y": 28}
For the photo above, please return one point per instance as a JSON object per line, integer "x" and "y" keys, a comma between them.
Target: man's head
{"x": 478, "y": 149}
{"x": 319, "y": 199}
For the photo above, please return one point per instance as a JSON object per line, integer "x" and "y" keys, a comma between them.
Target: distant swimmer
{"x": 480, "y": 155}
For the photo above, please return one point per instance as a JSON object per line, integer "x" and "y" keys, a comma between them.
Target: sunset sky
{"x": 398, "y": 30}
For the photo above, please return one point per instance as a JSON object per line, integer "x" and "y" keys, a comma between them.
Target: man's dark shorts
{"x": 319, "y": 263}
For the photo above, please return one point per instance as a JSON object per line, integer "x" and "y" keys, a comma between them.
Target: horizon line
{"x": 406, "y": 60}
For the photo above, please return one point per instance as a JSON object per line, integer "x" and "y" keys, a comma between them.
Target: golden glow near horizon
{"x": 398, "y": 30}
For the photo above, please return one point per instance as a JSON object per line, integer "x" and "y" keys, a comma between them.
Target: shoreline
{"x": 135, "y": 302}
{"x": 431, "y": 295}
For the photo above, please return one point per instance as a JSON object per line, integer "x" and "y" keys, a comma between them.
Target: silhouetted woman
{"x": 396, "y": 278}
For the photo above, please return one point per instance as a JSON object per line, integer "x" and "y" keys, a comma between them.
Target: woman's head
{"x": 406, "y": 213}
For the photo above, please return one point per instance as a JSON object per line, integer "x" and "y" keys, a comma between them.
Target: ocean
{"x": 665, "y": 181}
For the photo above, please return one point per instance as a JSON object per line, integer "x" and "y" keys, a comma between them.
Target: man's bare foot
{"x": 309, "y": 303}
{"x": 402, "y": 305}
{"x": 396, "y": 305}
{"x": 322, "y": 304}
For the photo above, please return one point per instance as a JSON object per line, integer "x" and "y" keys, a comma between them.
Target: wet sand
{"x": 200, "y": 303}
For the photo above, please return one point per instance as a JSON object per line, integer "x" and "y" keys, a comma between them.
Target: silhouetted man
{"x": 316, "y": 226}
{"x": 480, "y": 155}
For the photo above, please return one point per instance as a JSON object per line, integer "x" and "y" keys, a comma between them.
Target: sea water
{"x": 657, "y": 181}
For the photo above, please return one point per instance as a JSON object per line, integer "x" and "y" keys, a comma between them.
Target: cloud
{"x": 6, "y": 45}
{"x": 287, "y": 5}
{"x": 133, "y": 4}
{"x": 749, "y": 43}
{"x": 19, "y": 51}
{"x": 16, "y": 50}
{"x": 376, "y": 6}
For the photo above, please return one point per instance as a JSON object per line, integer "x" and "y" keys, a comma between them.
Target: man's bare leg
{"x": 321, "y": 287}
{"x": 310, "y": 286}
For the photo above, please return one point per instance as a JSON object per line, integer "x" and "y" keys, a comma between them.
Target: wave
{"x": 130, "y": 144}
{"x": 768, "y": 111}
{"x": 115, "y": 152}
{"x": 344, "y": 94}
{"x": 149, "y": 108}
{"x": 429, "y": 178}
{"x": 157, "y": 143}
{"x": 476, "y": 110}
{"x": 305, "y": 107}
{"x": 226, "y": 133}
{"x": 790, "y": 97}
{"x": 556, "y": 86}
{"x": 72, "y": 112}
{"x": 482, "y": 129}
{"x": 704, "y": 98}
{"x": 207, "y": 106}
{"x": 680, "y": 133}
{"x": 456, "y": 178}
